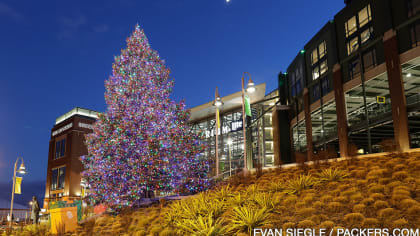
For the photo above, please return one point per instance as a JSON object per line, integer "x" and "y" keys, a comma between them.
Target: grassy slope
{"x": 378, "y": 192}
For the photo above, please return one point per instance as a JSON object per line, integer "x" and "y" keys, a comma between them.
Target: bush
{"x": 408, "y": 203}
{"x": 379, "y": 204}
{"x": 354, "y": 219}
{"x": 305, "y": 212}
{"x": 335, "y": 207}
{"x": 360, "y": 208}
{"x": 400, "y": 175}
{"x": 332, "y": 175}
{"x": 306, "y": 224}
{"x": 400, "y": 223}
{"x": 370, "y": 223}
{"x": 328, "y": 225}
{"x": 295, "y": 186}
{"x": 388, "y": 213}
{"x": 246, "y": 219}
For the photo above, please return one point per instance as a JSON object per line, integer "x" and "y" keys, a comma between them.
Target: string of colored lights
{"x": 142, "y": 142}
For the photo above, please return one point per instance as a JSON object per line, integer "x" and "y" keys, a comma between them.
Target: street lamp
{"x": 217, "y": 103}
{"x": 250, "y": 89}
{"x": 22, "y": 170}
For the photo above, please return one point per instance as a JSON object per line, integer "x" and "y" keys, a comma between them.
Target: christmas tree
{"x": 142, "y": 142}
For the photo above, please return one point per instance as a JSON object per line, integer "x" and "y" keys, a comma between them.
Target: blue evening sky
{"x": 56, "y": 55}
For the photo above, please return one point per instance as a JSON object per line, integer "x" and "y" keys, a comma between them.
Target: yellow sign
{"x": 217, "y": 118}
{"x": 380, "y": 99}
{"x": 18, "y": 189}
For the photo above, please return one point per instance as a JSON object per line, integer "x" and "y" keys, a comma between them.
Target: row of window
{"x": 369, "y": 61}
{"x": 358, "y": 31}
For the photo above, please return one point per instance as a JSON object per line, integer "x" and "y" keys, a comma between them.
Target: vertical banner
{"x": 18, "y": 189}
{"x": 217, "y": 118}
{"x": 247, "y": 106}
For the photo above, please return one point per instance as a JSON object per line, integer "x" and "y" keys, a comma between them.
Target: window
{"x": 297, "y": 80}
{"x": 415, "y": 34}
{"x": 314, "y": 56}
{"x": 369, "y": 59}
{"x": 352, "y": 45}
{"x": 326, "y": 86}
{"x": 364, "y": 16}
{"x": 358, "y": 29}
{"x": 319, "y": 62}
{"x": 315, "y": 73}
{"x": 354, "y": 68}
{"x": 60, "y": 148}
{"x": 351, "y": 26}
{"x": 322, "y": 49}
{"x": 413, "y": 7}
{"x": 324, "y": 67}
{"x": 366, "y": 35}
{"x": 316, "y": 93}
{"x": 57, "y": 178}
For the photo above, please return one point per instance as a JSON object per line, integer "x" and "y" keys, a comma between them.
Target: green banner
{"x": 247, "y": 106}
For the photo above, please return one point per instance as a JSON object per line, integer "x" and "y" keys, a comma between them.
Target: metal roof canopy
{"x": 230, "y": 102}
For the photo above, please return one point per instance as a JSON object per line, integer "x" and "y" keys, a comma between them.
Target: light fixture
{"x": 217, "y": 101}
{"x": 408, "y": 75}
{"x": 229, "y": 142}
{"x": 22, "y": 169}
{"x": 251, "y": 86}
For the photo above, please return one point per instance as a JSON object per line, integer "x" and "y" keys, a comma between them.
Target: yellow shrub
{"x": 326, "y": 198}
{"x": 400, "y": 175}
{"x": 335, "y": 207}
{"x": 408, "y": 203}
{"x": 340, "y": 199}
{"x": 318, "y": 205}
{"x": 384, "y": 180}
{"x": 359, "y": 208}
{"x": 306, "y": 224}
{"x": 288, "y": 225}
{"x": 305, "y": 212}
{"x": 140, "y": 233}
{"x": 361, "y": 182}
{"x": 290, "y": 200}
{"x": 379, "y": 204}
{"x": 414, "y": 211}
{"x": 328, "y": 225}
{"x": 370, "y": 223}
{"x": 354, "y": 219}
{"x": 357, "y": 197}
{"x": 399, "y": 167}
{"x": 317, "y": 219}
{"x": 388, "y": 213}
{"x": 377, "y": 196}
{"x": 400, "y": 223}
{"x": 376, "y": 188}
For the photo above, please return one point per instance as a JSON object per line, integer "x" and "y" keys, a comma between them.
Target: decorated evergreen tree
{"x": 142, "y": 142}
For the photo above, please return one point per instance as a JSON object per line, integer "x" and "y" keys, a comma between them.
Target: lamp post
{"x": 250, "y": 89}
{"x": 217, "y": 103}
{"x": 21, "y": 171}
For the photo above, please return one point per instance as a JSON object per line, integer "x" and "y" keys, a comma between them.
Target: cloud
{"x": 70, "y": 25}
{"x": 9, "y": 12}
{"x": 101, "y": 28}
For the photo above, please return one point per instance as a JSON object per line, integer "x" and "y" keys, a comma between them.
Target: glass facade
{"x": 368, "y": 114}
{"x": 299, "y": 136}
{"x": 230, "y": 138}
{"x": 411, "y": 78}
